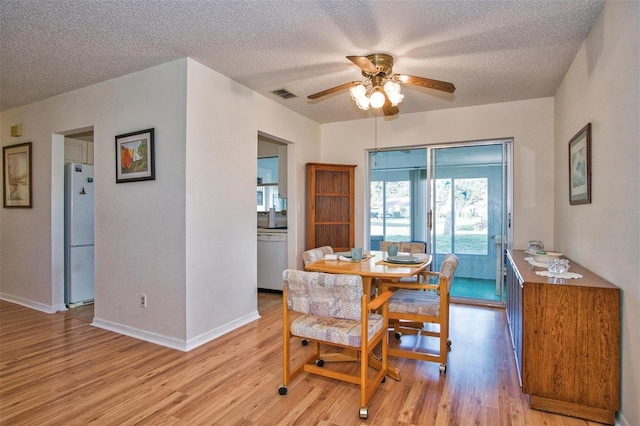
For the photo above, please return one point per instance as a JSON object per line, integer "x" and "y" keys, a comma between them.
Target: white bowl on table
{"x": 544, "y": 256}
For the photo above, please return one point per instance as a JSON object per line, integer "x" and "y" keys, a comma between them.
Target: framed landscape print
{"x": 16, "y": 175}
{"x": 135, "y": 156}
{"x": 580, "y": 167}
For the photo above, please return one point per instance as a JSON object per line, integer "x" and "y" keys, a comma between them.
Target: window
{"x": 268, "y": 193}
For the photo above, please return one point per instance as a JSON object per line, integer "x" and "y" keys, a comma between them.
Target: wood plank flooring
{"x": 59, "y": 370}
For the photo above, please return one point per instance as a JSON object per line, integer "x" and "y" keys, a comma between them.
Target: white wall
{"x": 529, "y": 123}
{"x": 601, "y": 87}
{"x": 139, "y": 227}
{"x": 223, "y": 120}
{"x": 186, "y": 239}
{"x": 140, "y": 237}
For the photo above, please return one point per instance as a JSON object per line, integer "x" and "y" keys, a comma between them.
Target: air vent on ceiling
{"x": 284, "y": 93}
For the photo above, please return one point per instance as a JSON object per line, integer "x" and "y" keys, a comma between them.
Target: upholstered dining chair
{"x": 415, "y": 304}
{"x": 332, "y": 309}
{"x": 312, "y": 255}
{"x": 412, "y": 247}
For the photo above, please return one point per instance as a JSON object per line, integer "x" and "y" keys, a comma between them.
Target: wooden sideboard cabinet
{"x": 566, "y": 336}
{"x": 330, "y": 206}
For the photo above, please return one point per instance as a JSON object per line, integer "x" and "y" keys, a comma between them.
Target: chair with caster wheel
{"x": 311, "y": 256}
{"x": 411, "y": 247}
{"x": 415, "y": 304}
{"x": 332, "y": 309}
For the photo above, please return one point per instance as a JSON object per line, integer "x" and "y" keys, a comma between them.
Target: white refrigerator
{"x": 78, "y": 234}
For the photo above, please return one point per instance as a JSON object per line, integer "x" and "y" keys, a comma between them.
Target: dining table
{"x": 374, "y": 265}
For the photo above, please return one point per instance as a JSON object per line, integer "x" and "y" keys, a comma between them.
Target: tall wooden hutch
{"x": 330, "y": 206}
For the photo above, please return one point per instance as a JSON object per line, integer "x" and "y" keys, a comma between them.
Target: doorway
{"x": 70, "y": 146}
{"x": 456, "y": 199}
{"x": 272, "y": 218}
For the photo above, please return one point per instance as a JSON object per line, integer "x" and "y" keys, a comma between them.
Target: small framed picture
{"x": 135, "y": 154}
{"x": 16, "y": 166}
{"x": 580, "y": 167}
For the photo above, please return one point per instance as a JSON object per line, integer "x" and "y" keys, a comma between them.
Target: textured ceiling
{"x": 493, "y": 51}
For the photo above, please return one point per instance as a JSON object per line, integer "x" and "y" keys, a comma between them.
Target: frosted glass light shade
{"x": 358, "y": 91}
{"x": 391, "y": 87}
{"x": 363, "y": 102}
{"x": 395, "y": 98}
{"x": 377, "y": 99}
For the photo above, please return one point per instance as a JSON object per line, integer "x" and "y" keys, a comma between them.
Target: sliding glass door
{"x": 398, "y": 196}
{"x": 455, "y": 199}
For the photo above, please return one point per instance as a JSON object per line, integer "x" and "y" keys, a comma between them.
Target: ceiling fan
{"x": 381, "y": 88}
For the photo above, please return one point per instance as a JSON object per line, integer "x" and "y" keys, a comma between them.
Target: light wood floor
{"x": 59, "y": 370}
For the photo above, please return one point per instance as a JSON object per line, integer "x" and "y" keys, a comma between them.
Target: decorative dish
{"x": 543, "y": 256}
{"x": 404, "y": 260}
{"x": 343, "y": 254}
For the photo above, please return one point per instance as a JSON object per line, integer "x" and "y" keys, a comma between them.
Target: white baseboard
{"x": 219, "y": 331}
{"x": 48, "y": 309}
{"x": 172, "y": 342}
{"x": 136, "y": 333}
{"x": 140, "y": 334}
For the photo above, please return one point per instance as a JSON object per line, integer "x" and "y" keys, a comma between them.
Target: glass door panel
{"x": 442, "y": 231}
{"x": 397, "y": 196}
{"x": 470, "y": 213}
{"x": 467, "y": 198}
{"x": 452, "y": 198}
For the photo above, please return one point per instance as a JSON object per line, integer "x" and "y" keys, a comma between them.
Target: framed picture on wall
{"x": 580, "y": 167}
{"x": 16, "y": 175}
{"x": 135, "y": 154}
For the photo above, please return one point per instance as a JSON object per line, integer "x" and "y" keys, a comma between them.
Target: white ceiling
{"x": 492, "y": 50}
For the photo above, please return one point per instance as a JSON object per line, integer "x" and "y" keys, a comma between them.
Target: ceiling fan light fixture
{"x": 395, "y": 98}
{"x": 381, "y": 84}
{"x": 391, "y": 87}
{"x": 377, "y": 99}
{"x": 363, "y": 103}
{"x": 358, "y": 91}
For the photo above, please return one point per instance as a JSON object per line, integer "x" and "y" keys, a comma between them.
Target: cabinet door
{"x": 330, "y": 206}
{"x": 78, "y": 151}
{"x": 75, "y": 151}
{"x": 570, "y": 343}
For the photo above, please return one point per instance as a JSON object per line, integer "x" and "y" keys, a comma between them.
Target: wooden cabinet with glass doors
{"x": 330, "y": 206}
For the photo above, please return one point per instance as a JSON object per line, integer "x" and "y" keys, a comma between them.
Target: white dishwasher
{"x": 272, "y": 259}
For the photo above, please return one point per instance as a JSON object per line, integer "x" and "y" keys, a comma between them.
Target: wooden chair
{"x": 414, "y": 304}
{"x": 405, "y": 246}
{"x": 412, "y": 247}
{"x": 312, "y": 255}
{"x": 333, "y": 310}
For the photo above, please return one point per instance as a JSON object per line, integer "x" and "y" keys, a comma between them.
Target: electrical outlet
{"x": 143, "y": 300}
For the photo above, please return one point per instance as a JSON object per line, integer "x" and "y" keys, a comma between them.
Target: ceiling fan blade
{"x": 427, "y": 82}
{"x": 333, "y": 90}
{"x": 389, "y": 109}
{"x": 365, "y": 64}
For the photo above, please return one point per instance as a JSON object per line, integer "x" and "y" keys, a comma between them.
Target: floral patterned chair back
{"x": 312, "y": 255}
